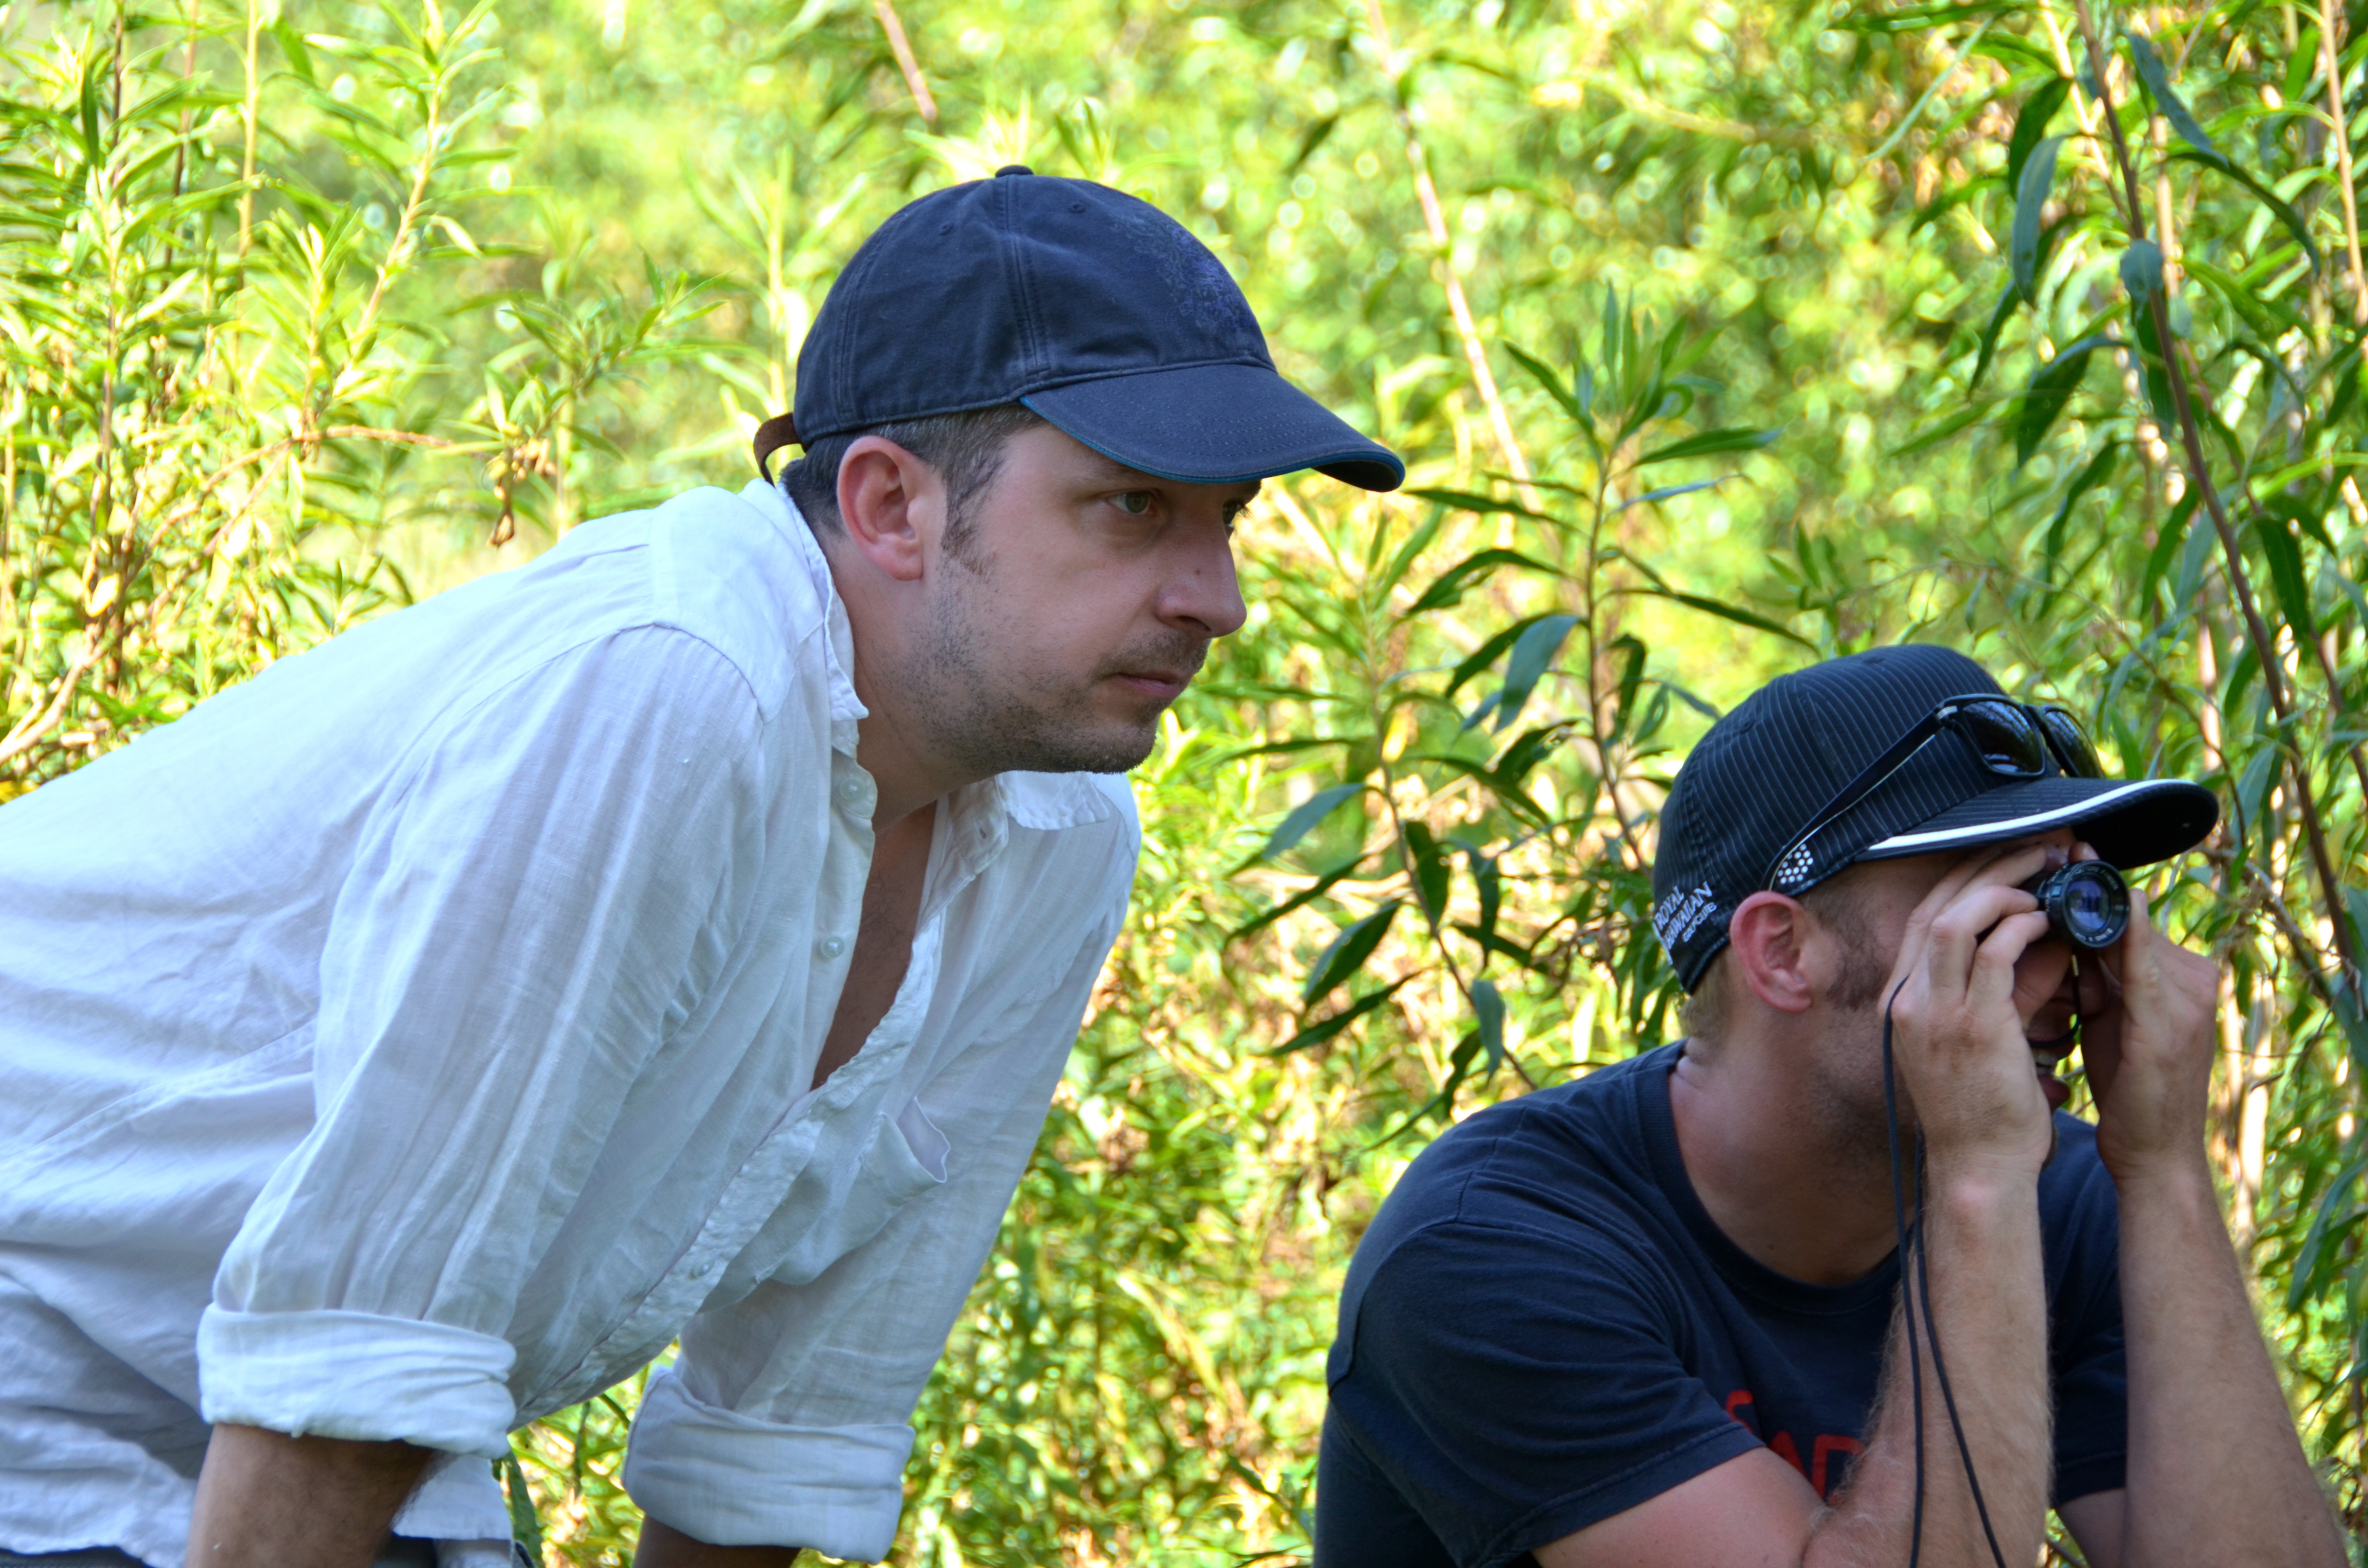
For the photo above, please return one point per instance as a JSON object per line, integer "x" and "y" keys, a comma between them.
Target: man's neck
{"x": 1784, "y": 1170}
{"x": 907, "y": 773}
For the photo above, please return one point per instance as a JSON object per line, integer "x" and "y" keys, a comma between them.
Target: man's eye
{"x": 1133, "y": 503}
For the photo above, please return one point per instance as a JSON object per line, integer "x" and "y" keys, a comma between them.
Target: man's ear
{"x": 1767, "y": 934}
{"x": 891, "y": 506}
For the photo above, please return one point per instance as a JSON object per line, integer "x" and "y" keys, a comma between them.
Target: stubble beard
{"x": 987, "y": 720}
{"x": 1855, "y": 1120}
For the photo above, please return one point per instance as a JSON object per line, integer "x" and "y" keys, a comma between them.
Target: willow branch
{"x": 902, "y": 47}
{"x": 2338, "y": 127}
{"x": 1435, "y": 219}
{"x": 2239, "y": 581}
{"x": 36, "y": 725}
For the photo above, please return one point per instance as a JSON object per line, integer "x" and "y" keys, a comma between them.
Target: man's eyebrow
{"x": 1108, "y": 470}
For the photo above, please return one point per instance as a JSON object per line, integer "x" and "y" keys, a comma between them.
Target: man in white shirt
{"x": 677, "y": 937}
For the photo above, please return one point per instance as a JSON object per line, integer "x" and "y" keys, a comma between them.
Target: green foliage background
{"x": 1720, "y": 338}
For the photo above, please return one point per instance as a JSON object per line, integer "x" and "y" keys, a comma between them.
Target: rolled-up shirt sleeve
{"x": 540, "y": 896}
{"x": 786, "y": 1421}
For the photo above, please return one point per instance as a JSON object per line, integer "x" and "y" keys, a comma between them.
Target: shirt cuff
{"x": 730, "y": 1480}
{"x": 354, "y": 1375}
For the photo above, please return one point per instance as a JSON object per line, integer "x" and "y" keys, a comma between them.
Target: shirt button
{"x": 851, "y": 791}
{"x": 831, "y": 946}
{"x": 702, "y": 1271}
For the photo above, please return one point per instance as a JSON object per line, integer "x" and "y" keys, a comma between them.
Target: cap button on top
{"x": 1013, "y": 169}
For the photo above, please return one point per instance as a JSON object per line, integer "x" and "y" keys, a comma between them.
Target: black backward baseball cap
{"x": 1095, "y": 311}
{"x": 1765, "y": 770}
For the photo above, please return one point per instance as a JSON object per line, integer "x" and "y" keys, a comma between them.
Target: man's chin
{"x": 1103, "y": 748}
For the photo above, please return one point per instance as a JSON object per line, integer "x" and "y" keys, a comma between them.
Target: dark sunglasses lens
{"x": 2074, "y": 753}
{"x": 2010, "y": 743}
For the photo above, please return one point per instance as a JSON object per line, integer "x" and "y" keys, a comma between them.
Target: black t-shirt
{"x": 1544, "y": 1328}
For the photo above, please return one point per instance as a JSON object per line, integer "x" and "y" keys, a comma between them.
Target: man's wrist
{"x": 2180, "y": 1176}
{"x": 1971, "y": 1186}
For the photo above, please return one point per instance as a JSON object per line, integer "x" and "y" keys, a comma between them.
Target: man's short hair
{"x": 965, "y": 448}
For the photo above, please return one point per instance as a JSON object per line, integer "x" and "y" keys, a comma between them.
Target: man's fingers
{"x": 1991, "y": 982}
{"x": 1959, "y": 929}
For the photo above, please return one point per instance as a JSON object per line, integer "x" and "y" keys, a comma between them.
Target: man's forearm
{"x": 1989, "y": 1302}
{"x": 267, "y": 1500}
{"x": 2215, "y": 1471}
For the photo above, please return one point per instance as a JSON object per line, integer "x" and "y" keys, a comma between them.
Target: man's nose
{"x": 1203, "y": 594}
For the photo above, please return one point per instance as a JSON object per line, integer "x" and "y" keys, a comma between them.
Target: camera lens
{"x": 2087, "y": 904}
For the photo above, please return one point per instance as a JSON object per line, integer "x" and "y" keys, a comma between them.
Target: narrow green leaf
{"x": 1305, "y": 815}
{"x": 1533, "y": 651}
{"x": 1669, "y": 491}
{"x": 2051, "y": 389}
{"x": 2254, "y": 784}
{"x": 2268, "y": 197}
{"x": 1466, "y": 500}
{"x": 1934, "y": 435}
{"x": 2031, "y": 124}
{"x": 1725, "y": 611}
{"x": 1349, "y": 952}
{"x": 1480, "y": 658}
{"x": 1490, "y": 884}
{"x": 1710, "y": 442}
{"x": 1323, "y": 1030}
{"x": 1450, "y": 585}
{"x": 2030, "y": 198}
{"x": 1299, "y": 900}
{"x": 526, "y": 1527}
{"x": 2167, "y": 102}
{"x": 2141, "y": 270}
{"x": 2092, "y": 473}
{"x": 1317, "y": 134}
{"x": 1410, "y": 552}
{"x": 2195, "y": 551}
{"x": 1513, "y": 799}
{"x": 1546, "y": 378}
{"x": 2286, "y": 574}
{"x": 1429, "y": 869}
{"x": 1488, "y": 1007}
{"x": 300, "y": 59}
{"x": 1533, "y": 747}
{"x": 2009, "y": 302}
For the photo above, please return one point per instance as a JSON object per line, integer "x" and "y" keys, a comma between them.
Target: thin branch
{"x": 34, "y": 725}
{"x": 2338, "y": 127}
{"x": 1644, "y": 105}
{"x": 902, "y": 47}
{"x": 1435, "y": 219}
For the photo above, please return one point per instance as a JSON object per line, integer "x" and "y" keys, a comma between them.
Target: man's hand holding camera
{"x": 2145, "y": 1037}
{"x": 1963, "y": 992}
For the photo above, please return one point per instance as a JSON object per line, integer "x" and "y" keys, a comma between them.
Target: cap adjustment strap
{"x": 771, "y": 437}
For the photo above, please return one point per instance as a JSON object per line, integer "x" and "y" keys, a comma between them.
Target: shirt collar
{"x": 838, "y": 643}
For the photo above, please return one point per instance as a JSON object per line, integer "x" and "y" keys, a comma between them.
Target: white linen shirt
{"x": 416, "y": 1040}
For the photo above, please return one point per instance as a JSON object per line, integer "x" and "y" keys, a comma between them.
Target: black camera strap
{"x": 1908, "y": 1301}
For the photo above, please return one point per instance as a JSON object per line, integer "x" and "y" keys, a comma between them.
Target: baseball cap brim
{"x": 1215, "y": 423}
{"x": 2130, "y": 822}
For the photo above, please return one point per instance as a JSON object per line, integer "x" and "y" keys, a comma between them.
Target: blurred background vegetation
{"x": 1720, "y": 336}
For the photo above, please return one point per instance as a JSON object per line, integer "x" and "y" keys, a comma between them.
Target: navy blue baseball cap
{"x": 1767, "y": 773}
{"x": 1095, "y": 311}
